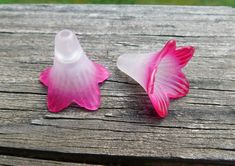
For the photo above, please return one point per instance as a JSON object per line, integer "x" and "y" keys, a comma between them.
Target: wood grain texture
{"x": 20, "y": 161}
{"x": 200, "y": 128}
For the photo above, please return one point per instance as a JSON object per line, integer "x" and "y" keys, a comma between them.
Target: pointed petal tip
{"x": 168, "y": 48}
{"x": 93, "y": 108}
{"x": 162, "y": 114}
{"x": 184, "y": 54}
{"x": 102, "y": 74}
{"x": 54, "y": 109}
{"x": 57, "y": 102}
{"x": 160, "y": 103}
{"x": 44, "y": 76}
{"x": 91, "y": 103}
{"x": 171, "y": 42}
{"x": 190, "y": 49}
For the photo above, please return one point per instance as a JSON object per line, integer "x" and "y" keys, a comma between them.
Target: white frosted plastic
{"x": 70, "y": 61}
{"x": 135, "y": 65}
{"x": 67, "y": 47}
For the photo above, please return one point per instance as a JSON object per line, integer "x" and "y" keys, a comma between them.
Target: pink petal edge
{"x": 86, "y": 95}
{"x": 165, "y": 78}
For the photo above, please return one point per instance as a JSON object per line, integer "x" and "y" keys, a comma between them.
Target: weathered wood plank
{"x": 20, "y": 161}
{"x": 200, "y": 127}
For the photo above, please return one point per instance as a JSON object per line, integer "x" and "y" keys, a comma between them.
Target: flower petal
{"x": 102, "y": 72}
{"x": 57, "y": 100}
{"x": 169, "y": 48}
{"x": 89, "y": 98}
{"x": 184, "y": 54}
{"x": 160, "y": 101}
{"x": 170, "y": 78}
{"x": 44, "y": 76}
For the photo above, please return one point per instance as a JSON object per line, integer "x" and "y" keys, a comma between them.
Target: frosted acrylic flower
{"x": 73, "y": 77}
{"x": 159, "y": 73}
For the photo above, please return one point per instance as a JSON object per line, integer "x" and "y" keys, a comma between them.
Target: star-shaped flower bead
{"x": 73, "y": 78}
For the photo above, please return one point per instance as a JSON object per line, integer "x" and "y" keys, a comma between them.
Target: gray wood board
{"x": 200, "y": 127}
{"x": 20, "y": 161}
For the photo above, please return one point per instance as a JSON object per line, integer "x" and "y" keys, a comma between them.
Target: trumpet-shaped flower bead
{"x": 67, "y": 47}
{"x": 159, "y": 73}
{"x": 73, "y": 77}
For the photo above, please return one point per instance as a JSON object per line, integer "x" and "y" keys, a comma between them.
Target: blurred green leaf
{"x": 162, "y": 2}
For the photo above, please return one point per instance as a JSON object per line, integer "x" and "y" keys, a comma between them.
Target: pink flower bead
{"x": 73, "y": 78}
{"x": 159, "y": 73}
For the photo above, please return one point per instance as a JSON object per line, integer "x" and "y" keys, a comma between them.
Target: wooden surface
{"x": 12, "y": 160}
{"x": 200, "y": 128}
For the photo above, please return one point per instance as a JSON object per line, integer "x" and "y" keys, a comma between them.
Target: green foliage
{"x": 162, "y": 2}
